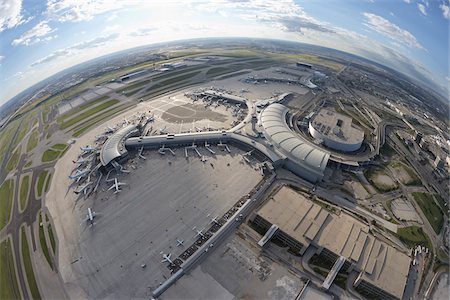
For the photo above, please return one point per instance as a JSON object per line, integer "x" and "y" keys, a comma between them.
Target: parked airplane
{"x": 116, "y": 186}
{"x": 199, "y": 232}
{"x": 87, "y": 149}
{"x": 166, "y": 258}
{"x": 90, "y": 217}
{"x": 80, "y": 174}
{"x": 140, "y": 153}
{"x": 180, "y": 242}
{"x": 248, "y": 153}
{"x": 204, "y": 158}
{"x": 83, "y": 188}
{"x": 109, "y": 130}
{"x": 214, "y": 220}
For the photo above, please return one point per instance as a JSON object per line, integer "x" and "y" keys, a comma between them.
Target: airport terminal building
{"x": 335, "y": 131}
{"x": 302, "y": 158}
{"x": 382, "y": 269}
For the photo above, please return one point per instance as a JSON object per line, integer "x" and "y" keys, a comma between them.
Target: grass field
{"x": 47, "y": 183}
{"x": 29, "y": 267}
{"x": 380, "y": 179}
{"x": 431, "y": 210}
{"x": 51, "y": 237}
{"x": 6, "y": 198}
{"x": 41, "y": 181}
{"x": 50, "y": 155}
{"x": 413, "y": 235}
{"x": 87, "y": 113}
{"x": 59, "y": 147}
{"x": 24, "y": 188}
{"x": 9, "y": 288}
{"x": 14, "y": 160}
{"x": 94, "y": 121}
{"x": 77, "y": 109}
{"x": 43, "y": 242}
{"x": 33, "y": 140}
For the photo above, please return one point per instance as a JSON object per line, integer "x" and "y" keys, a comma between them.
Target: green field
{"x": 413, "y": 235}
{"x": 24, "y": 188}
{"x": 87, "y": 113}
{"x": 431, "y": 210}
{"x": 6, "y": 198}
{"x": 33, "y": 140}
{"x": 178, "y": 78}
{"x": 43, "y": 242}
{"x": 41, "y": 181}
{"x": 80, "y": 108}
{"x": 47, "y": 183}
{"x": 51, "y": 237}
{"x": 9, "y": 288}
{"x": 50, "y": 155}
{"x": 29, "y": 267}
{"x": 97, "y": 119}
{"x": 14, "y": 160}
{"x": 59, "y": 147}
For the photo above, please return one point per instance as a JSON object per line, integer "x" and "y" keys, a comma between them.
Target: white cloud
{"x": 2, "y": 57}
{"x": 422, "y": 9}
{"x": 392, "y": 31}
{"x": 82, "y": 10}
{"x": 10, "y": 15}
{"x": 34, "y": 35}
{"x": 445, "y": 8}
{"x": 76, "y": 48}
{"x": 407, "y": 1}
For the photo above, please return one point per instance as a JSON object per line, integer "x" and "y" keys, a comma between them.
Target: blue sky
{"x": 40, "y": 38}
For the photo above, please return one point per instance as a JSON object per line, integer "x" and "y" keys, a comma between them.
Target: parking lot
{"x": 166, "y": 197}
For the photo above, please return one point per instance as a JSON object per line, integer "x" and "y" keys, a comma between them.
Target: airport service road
{"x": 163, "y": 202}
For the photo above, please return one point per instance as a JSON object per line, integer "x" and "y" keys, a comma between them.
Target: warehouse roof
{"x": 309, "y": 223}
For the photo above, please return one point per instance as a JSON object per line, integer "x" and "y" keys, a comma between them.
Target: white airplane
{"x": 204, "y": 158}
{"x": 248, "y": 153}
{"x": 83, "y": 188}
{"x": 80, "y": 174}
{"x": 109, "y": 130}
{"x": 90, "y": 217}
{"x": 214, "y": 220}
{"x": 80, "y": 161}
{"x": 116, "y": 186}
{"x": 180, "y": 242}
{"x": 140, "y": 153}
{"x": 87, "y": 149}
{"x": 199, "y": 232}
{"x": 166, "y": 258}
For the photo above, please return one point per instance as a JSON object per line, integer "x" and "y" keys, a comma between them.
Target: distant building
{"x": 335, "y": 131}
{"x": 133, "y": 75}
{"x": 418, "y": 137}
{"x": 438, "y": 163}
{"x": 303, "y": 65}
{"x": 424, "y": 144}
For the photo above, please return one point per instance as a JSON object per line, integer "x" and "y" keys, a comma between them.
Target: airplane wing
{"x": 113, "y": 186}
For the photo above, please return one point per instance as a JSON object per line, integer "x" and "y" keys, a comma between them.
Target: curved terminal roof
{"x": 200, "y": 137}
{"x": 111, "y": 148}
{"x": 296, "y": 149}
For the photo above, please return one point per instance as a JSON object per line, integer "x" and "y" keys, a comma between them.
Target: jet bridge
{"x": 334, "y": 271}
{"x": 269, "y": 234}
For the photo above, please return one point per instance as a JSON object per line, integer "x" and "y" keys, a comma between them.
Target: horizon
{"x": 41, "y": 41}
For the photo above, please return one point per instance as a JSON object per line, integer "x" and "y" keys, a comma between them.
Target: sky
{"x": 39, "y": 38}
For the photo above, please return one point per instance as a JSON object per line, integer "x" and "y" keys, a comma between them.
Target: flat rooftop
{"x": 309, "y": 223}
{"x": 337, "y": 127}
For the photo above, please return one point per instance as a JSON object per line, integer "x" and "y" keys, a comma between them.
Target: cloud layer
{"x": 392, "y": 31}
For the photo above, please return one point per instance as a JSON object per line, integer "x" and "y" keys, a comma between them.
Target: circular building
{"x": 335, "y": 131}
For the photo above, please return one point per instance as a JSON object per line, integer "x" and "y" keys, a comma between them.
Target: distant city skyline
{"x": 39, "y": 39}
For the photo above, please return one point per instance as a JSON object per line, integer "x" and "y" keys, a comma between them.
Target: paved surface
{"x": 147, "y": 218}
